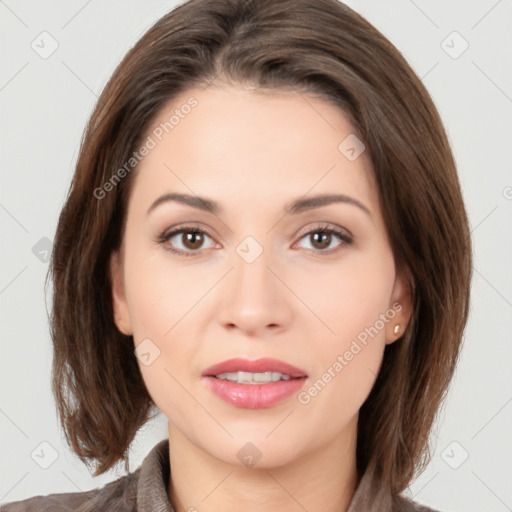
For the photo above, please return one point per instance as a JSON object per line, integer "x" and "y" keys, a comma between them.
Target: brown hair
{"x": 314, "y": 46}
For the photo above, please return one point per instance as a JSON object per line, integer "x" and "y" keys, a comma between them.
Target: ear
{"x": 401, "y": 304}
{"x": 120, "y": 306}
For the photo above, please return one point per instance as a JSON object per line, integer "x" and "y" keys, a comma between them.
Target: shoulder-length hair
{"x": 309, "y": 46}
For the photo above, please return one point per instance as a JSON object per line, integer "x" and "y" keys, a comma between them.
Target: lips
{"x": 258, "y": 366}
{"x": 254, "y": 396}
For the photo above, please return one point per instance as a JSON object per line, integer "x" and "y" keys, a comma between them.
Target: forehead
{"x": 252, "y": 144}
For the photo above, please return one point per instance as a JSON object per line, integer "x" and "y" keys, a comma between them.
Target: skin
{"x": 254, "y": 154}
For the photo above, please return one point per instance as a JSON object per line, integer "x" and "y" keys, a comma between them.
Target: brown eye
{"x": 323, "y": 239}
{"x": 320, "y": 240}
{"x": 186, "y": 241}
{"x": 192, "y": 239}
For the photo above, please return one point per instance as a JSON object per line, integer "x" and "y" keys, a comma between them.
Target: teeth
{"x": 252, "y": 378}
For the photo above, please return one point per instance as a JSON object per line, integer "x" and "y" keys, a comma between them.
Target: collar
{"x": 153, "y": 480}
{"x": 154, "y": 475}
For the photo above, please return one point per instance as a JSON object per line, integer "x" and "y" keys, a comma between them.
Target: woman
{"x": 265, "y": 239}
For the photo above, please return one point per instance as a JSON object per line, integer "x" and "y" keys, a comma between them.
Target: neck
{"x": 324, "y": 479}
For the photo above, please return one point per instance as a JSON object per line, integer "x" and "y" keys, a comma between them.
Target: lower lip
{"x": 254, "y": 396}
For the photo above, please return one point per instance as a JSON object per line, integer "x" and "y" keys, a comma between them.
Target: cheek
{"x": 350, "y": 297}
{"x": 161, "y": 302}
{"x": 159, "y": 295}
{"x": 352, "y": 301}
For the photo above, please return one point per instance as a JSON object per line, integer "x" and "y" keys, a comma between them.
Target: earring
{"x": 396, "y": 329}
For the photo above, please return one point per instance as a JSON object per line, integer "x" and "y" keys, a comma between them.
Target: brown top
{"x": 145, "y": 490}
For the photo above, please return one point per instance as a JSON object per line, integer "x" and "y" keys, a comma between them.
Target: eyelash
{"x": 166, "y": 236}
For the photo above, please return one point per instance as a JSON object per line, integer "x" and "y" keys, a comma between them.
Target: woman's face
{"x": 257, "y": 277}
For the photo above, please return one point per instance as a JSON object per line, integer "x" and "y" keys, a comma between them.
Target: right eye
{"x": 191, "y": 239}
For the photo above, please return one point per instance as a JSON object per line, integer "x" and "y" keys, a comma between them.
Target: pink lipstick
{"x": 254, "y": 384}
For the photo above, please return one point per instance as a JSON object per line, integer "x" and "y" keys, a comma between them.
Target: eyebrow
{"x": 298, "y": 206}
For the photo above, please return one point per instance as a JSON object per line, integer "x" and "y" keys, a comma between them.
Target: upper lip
{"x": 256, "y": 366}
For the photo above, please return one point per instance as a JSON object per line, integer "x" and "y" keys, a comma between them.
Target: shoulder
{"x": 117, "y": 496}
{"x": 373, "y": 496}
{"x": 144, "y": 490}
{"x": 403, "y": 504}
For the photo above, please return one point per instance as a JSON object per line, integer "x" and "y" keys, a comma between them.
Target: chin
{"x": 259, "y": 449}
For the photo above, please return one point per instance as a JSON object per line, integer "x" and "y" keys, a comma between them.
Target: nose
{"x": 254, "y": 300}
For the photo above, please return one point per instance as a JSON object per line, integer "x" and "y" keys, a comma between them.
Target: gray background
{"x": 45, "y": 103}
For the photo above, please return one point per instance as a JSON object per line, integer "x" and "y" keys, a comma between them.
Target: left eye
{"x": 322, "y": 238}
{"x": 193, "y": 239}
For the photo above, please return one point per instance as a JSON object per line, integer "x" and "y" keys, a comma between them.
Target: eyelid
{"x": 167, "y": 234}
{"x": 343, "y": 234}
{"x": 325, "y": 226}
